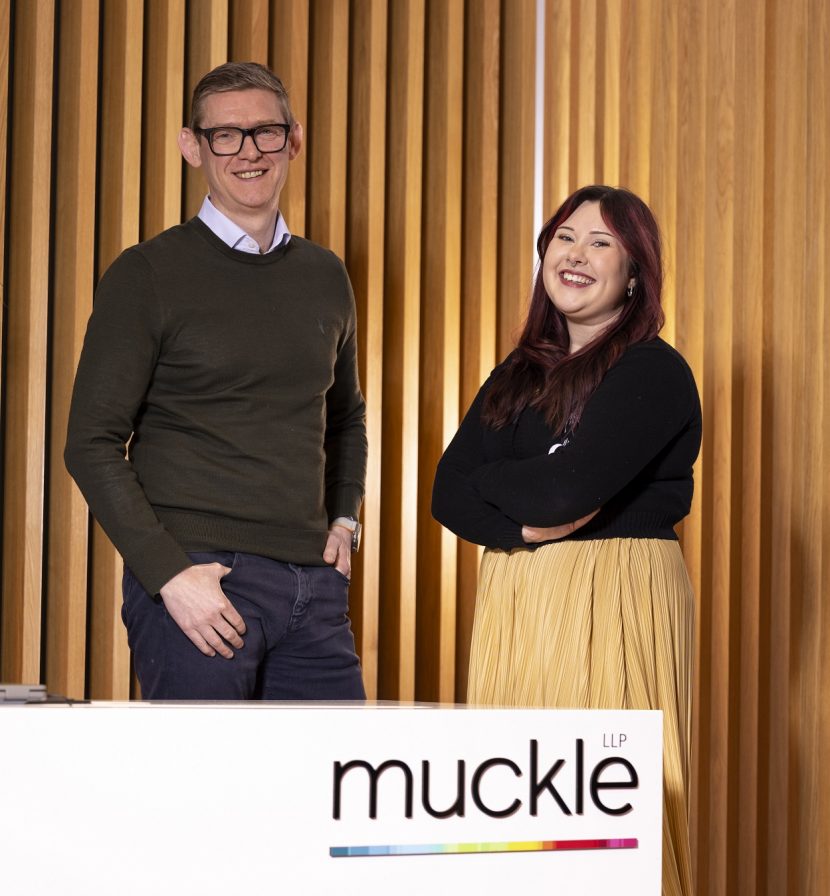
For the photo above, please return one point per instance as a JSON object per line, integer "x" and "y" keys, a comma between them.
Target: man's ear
{"x": 295, "y": 140}
{"x": 190, "y": 148}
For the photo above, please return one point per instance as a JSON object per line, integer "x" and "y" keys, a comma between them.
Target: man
{"x": 224, "y": 352}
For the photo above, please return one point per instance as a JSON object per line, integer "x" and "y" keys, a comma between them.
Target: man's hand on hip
{"x": 199, "y": 606}
{"x": 338, "y": 552}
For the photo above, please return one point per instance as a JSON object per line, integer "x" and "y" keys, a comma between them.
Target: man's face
{"x": 251, "y": 181}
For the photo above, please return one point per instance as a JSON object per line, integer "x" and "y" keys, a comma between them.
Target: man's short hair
{"x": 237, "y": 76}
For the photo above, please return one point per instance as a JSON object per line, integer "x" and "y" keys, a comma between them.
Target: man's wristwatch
{"x": 350, "y": 523}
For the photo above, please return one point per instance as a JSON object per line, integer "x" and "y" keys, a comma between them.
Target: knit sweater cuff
{"x": 345, "y": 502}
{"x": 507, "y": 536}
{"x": 155, "y": 563}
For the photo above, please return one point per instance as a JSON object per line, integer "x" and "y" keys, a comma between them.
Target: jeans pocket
{"x": 129, "y": 587}
{"x": 340, "y": 575}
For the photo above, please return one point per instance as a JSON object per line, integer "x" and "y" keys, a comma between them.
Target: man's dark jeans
{"x": 298, "y": 645}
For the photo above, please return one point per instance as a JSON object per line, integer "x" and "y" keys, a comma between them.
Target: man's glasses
{"x": 227, "y": 141}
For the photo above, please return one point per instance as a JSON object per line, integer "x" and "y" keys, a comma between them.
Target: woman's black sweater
{"x": 631, "y": 456}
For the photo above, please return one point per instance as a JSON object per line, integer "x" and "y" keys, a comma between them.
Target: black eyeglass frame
{"x": 208, "y": 133}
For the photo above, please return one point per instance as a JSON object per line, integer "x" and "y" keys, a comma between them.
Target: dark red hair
{"x": 540, "y": 373}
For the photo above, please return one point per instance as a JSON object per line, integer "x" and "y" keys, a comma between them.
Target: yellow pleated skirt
{"x": 606, "y": 624}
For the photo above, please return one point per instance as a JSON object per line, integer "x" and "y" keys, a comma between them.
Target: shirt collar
{"x": 234, "y": 236}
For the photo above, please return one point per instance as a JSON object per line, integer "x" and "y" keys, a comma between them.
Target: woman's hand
{"x": 536, "y": 534}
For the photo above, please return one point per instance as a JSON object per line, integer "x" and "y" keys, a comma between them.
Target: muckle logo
{"x": 539, "y": 785}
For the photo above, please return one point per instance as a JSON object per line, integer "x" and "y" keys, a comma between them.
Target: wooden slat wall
{"x": 24, "y": 360}
{"x": 118, "y": 226}
{"x": 418, "y": 170}
{"x": 207, "y": 43}
{"x": 479, "y": 282}
{"x": 400, "y": 360}
{"x": 5, "y": 40}
{"x": 365, "y": 260}
{"x": 440, "y": 332}
{"x": 74, "y": 276}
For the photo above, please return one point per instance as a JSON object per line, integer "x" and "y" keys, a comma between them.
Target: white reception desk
{"x": 119, "y": 799}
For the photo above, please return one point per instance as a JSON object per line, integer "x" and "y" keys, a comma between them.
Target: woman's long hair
{"x": 540, "y": 373}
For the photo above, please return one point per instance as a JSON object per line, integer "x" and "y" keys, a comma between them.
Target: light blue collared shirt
{"x": 234, "y": 236}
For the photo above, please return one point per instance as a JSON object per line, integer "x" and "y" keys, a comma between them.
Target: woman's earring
{"x": 630, "y": 290}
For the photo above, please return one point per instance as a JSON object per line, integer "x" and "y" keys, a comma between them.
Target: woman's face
{"x": 586, "y": 269}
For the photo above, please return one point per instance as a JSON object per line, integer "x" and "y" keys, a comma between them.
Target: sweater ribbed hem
{"x": 634, "y": 524}
{"x": 200, "y": 532}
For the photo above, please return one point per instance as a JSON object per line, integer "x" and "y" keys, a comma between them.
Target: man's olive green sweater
{"x": 236, "y": 377}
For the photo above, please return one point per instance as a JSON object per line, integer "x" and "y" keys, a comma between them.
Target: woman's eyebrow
{"x": 568, "y": 227}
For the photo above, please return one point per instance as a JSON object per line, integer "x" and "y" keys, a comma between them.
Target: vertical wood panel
{"x": 289, "y": 48}
{"x": 5, "y": 39}
{"x": 249, "y": 31}
{"x": 813, "y": 780}
{"x": 813, "y": 857}
{"x": 207, "y": 47}
{"x": 479, "y": 271}
{"x": 610, "y": 15}
{"x": 364, "y": 259}
{"x": 161, "y": 179}
{"x": 769, "y": 639}
{"x": 118, "y": 214}
{"x": 810, "y": 857}
{"x": 328, "y": 123}
{"x": 28, "y": 299}
{"x": 636, "y": 99}
{"x": 787, "y": 206}
{"x": 816, "y": 863}
{"x": 750, "y": 307}
{"x": 440, "y": 332}
{"x": 557, "y": 181}
{"x": 586, "y": 69}
{"x": 74, "y": 278}
{"x": 718, "y": 408}
{"x": 516, "y": 238}
{"x": 664, "y": 147}
{"x": 401, "y": 338}
{"x": 690, "y": 266}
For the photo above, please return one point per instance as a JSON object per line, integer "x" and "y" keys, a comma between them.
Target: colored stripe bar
{"x": 443, "y": 849}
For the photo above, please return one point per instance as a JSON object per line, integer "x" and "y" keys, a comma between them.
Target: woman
{"x": 572, "y": 467}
